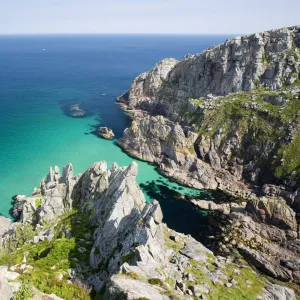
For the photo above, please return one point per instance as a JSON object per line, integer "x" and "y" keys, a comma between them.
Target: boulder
{"x": 273, "y": 211}
{"x": 7, "y": 285}
{"x": 106, "y": 133}
{"x": 278, "y": 292}
{"x": 125, "y": 288}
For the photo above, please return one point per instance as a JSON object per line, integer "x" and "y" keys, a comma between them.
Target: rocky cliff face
{"x": 268, "y": 59}
{"x": 228, "y": 118}
{"x": 104, "y": 241}
{"x": 230, "y": 113}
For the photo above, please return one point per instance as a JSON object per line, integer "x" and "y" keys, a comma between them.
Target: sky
{"x": 146, "y": 16}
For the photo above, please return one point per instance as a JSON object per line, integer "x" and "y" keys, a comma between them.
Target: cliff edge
{"x": 93, "y": 236}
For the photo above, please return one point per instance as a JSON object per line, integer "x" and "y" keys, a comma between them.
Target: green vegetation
{"x": 38, "y": 202}
{"x": 176, "y": 246}
{"x": 23, "y": 293}
{"x": 127, "y": 257}
{"x": 235, "y": 110}
{"x": 155, "y": 281}
{"x": 132, "y": 275}
{"x": 23, "y": 234}
{"x": 197, "y": 102}
{"x": 258, "y": 122}
{"x": 50, "y": 261}
{"x": 265, "y": 59}
{"x": 236, "y": 292}
{"x": 291, "y": 158}
{"x": 170, "y": 281}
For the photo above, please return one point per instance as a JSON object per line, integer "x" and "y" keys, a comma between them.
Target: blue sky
{"x": 146, "y": 16}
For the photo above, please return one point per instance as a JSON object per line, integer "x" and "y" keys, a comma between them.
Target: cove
{"x": 37, "y": 85}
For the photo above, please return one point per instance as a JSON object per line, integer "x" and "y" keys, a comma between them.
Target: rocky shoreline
{"x": 92, "y": 236}
{"x": 227, "y": 118}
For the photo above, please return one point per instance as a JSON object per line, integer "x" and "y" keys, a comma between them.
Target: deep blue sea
{"x": 42, "y": 75}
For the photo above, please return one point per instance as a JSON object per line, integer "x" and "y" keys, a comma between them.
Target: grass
{"x": 258, "y": 123}
{"x": 169, "y": 243}
{"x": 155, "y": 281}
{"x": 23, "y": 293}
{"x": 290, "y": 154}
{"x": 52, "y": 259}
{"x": 220, "y": 291}
{"x": 127, "y": 257}
{"x": 38, "y": 202}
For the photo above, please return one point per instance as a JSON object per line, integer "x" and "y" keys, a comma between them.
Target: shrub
{"x": 23, "y": 293}
{"x": 127, "y": 257}
{"x": 38, "y": 202}
{"x": 155, "y": 281}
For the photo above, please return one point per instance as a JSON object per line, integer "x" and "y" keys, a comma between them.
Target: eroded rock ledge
{"x": 93, "y": 235}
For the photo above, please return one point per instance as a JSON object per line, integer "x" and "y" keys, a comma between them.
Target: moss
{"x": 170, "y": 281}
{"x": 38, "y": 202}
{"x": 197, "y": 102}
{"x": 132, "y": 275}
{"x": 296, "y": 56}
{"x": 192, "y": 149}
{"x": 291, "y": 158}
{"x": 236, "y": 292}
{"x": 60, "y": 253}
{"x": 155, "y": 281}
{"x": 258, "y": 123}
{"x": 176, "y": 246}
{"x": 127, "y": 257}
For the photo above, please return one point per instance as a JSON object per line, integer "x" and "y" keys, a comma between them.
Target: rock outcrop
{"x": 117, "y": 245}
{"x": 221, "y": 108}
{"x": 273, "y": 211}
{"x": 266, "y": 59}
{"x": 106, "y": 133}
{"x": 171, "y": 146}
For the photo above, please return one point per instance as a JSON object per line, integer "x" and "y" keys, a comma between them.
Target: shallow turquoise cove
{"x": 36, "y": 88}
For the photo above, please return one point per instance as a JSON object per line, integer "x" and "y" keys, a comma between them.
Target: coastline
{"x": 241, "y": 189}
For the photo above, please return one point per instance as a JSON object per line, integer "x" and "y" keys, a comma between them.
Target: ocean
{"x": 41, "y": 76}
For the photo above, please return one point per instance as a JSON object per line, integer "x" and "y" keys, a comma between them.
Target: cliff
{"x": 224, "y": 118}
{"x": 92, "y": 236}
{"x": 228, "y": 118}
{"x": 269, "y": 59}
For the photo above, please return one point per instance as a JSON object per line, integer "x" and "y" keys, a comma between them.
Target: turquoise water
{"x": 36, "y": 85}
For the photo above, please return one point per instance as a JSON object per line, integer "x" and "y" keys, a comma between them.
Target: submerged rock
{"x": 76, "y": 111}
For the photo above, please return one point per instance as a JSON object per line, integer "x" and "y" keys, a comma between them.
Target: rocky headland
{"x": 228, "y": 118}
{"x": 93, "y": 236}
{"x": 224, "y": 118}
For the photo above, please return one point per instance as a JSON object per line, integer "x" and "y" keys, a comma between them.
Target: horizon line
{"x": 117, "y": 33}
